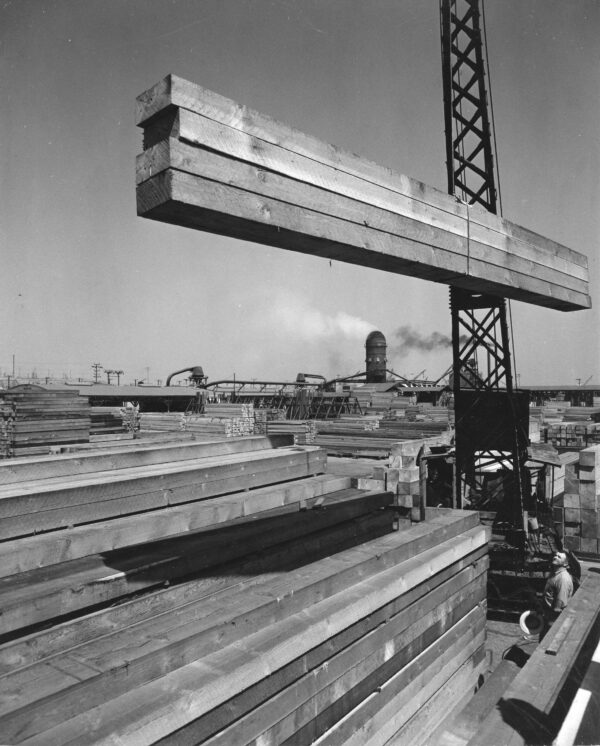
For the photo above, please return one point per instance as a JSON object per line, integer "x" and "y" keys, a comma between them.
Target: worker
{"x": 558, "y": 590}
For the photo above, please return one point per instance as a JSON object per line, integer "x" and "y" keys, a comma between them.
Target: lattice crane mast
{"x": 491, "y": 417}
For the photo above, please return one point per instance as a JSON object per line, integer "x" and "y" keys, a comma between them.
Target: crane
{"x": 491, "y": 416}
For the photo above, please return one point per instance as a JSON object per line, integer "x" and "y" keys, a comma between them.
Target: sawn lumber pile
{"x": 107, "y": 421}
{"x": 336, "y": 438}
{"x": 279, "y": 604}
{"x": 213, "y": 165}
{"x": 33, "y": 420}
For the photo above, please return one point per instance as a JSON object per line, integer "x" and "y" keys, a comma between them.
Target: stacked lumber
{"x": 576, "y": 511}
{"x": 340, "y": 439}
{"x": 304, "y": 431}
{"x": 214, "y": 166}
{"x": 427, "y": 413}
{"x": 264, "y": 415}
{"x": 239, "y": 418}
{"x": 106, "y": 420}
{"x": 364, "y": 421}
{"x": 35, "y": 506}
{"x": 582, "y": 414}
{"x": 34, "y": 420}
{"x": 571, "y": 435}
{"x": 348, "y": 424}
{"x": 318, "y": 636}
{"x": 161, "y": 421}
{"x": 207, "y": 428}
{"x": 228, "y": 410}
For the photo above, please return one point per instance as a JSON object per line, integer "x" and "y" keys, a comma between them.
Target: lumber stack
{"x": 349, "y": 423}
{"x": 582, "y": 414}
{"x": 238, "y": 418}
{"x": 34, "y": 420}
{"x": 265, "y": 415}
{"x": 303, "y": 431}
{"x": 216, "y": 166}
{"x": 341, "y": 439}
{"x": 570, "y": 435}
{"x": 162, "y": 421}
{"x": 36, "y": 506}
{"x": 576, "y": 512}
{"x": 107, "y": 421}
{"x": 348, "y": 641}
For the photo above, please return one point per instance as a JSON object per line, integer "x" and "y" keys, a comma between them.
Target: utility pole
{"x": 97, "y": 367}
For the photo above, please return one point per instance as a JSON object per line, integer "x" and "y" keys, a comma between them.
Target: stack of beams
{"x": 571, "y": 436}
{"x": 265, "y": 415}
{"x": 339, "y": 439}
{"x": 106, "y": 420}
{"x": 575, "y": 414}
{"x": 304, "y": 431}
{"x": 576, "y": 512}
{"x": 298, "y": 612}
{"x": 34, "y": 420}
{"x": 367, "y": 644}
{"x": 239, "y": 418}
{"x": 161, "y": 421}
{"x": 216, "y": 166}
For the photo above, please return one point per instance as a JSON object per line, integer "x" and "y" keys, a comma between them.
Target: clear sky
{"x": 84, "y": 280}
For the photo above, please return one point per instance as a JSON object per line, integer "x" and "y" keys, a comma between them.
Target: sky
{"x": 84, "y": 280}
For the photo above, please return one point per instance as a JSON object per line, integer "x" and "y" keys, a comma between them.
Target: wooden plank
{"x": 140, "y": 454}
{"x": 202, "y": 119}
{"x": 379, "y": 208}
{"x": 539, "y": 696}
{"x": 441, "y": 703}
{"x": 28, "y": 553}
{"x": 199, "y": 553}
{"x": 215, "y": 510}
{"x": 176, "y": 197}
{"x": 158, "y": 708}
{"x": 115, "y": 665}
{"x": 48, "y": 504}
{"x": 303, "y": 711}
{"x": 254, "y": 701}
{"x": 161, "y": 570}
{"x": 382, "y": 714}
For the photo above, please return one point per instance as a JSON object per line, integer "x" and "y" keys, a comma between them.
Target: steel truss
{"x": 491, "y": 418}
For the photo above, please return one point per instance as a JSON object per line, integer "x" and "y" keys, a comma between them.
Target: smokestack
{"x": 376, "y": 357}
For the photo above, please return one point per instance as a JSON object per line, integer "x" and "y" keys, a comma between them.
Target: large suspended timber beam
{"x": 213, "y": 165}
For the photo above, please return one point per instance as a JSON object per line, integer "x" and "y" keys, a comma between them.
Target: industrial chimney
{"x": 376, "y": 360}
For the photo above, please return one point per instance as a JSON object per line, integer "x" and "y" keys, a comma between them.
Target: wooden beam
{"x": 213, "y": 165}
{"x": 162, "y": 705}
{"x": 238, "y": 558}
{"x": 140, "y": 453}
{"x": 27, "y": 553}
{"x": 536, "y": 702}
{"x": 342, "y": 681}
{"x": 226, "y": 547}
{"x": 44, "y": 505}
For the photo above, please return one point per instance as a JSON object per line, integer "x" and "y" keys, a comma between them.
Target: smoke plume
{"x": 296, "y": 316}
{"x": 407, "y": 339}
